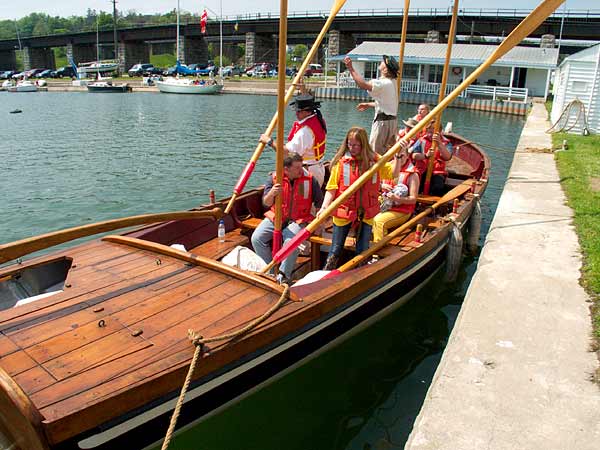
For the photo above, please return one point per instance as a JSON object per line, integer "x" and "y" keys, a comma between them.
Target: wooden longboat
{"x": 98, "y": 358}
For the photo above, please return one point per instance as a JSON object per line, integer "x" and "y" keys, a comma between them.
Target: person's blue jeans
{"x": 341, "y": 233}
{"x": 262, "y": 239}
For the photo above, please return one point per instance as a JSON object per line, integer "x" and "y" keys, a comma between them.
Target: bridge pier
{"x": 81, "y": 53}
{"x": 260, "y": 48}
{"x": 8, "y": 60}
{"x": 131, "y": 53}
{"x": 339, "y": 44}
{"x": 38, "y": 58}
{"x": 194, "y": 50}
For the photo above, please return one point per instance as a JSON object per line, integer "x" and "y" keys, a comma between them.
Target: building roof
{"x": 588, "y": 55}
{"x": 468, "y": 55}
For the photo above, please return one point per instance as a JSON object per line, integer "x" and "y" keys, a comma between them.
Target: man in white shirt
{"x": 307, "y": 136}
{"x": 383, "y": 90}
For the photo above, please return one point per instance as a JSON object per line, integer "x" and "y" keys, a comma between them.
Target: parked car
{"x": 45, "y": 74}
{"x": 66, "y": 71}
{"x": 260, "y": 70}
{"x": 230, "y": 71}
{"x": 6, "y": 74}
{"x": 170, "y": 71}
{"x": 137, "y": 70}
{"x": 316, "y": 69}
{"x": 153, "y": 71}
{"x": 207, "y": 70}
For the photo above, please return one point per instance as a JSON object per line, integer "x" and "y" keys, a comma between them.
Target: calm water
{"x": 75, "y": 158}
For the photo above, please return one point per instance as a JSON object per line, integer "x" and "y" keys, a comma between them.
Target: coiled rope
{"x": 565, "y": 117}
{"x": 199, "y": 342}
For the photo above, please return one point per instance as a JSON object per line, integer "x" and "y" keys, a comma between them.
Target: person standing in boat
{"x": 301, "y": 192}
{"x": 354, "y": 157}
{"x": 401, "y": 196}
{"x": 422, "y": 150}
{"x": 307, "y": 137}
{"x": 385, "y": 96}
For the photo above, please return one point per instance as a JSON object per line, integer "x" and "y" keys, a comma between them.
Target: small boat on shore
{"x": 175, "y": 85}
{"x": 108, "y": 86}
{"x": 23, "y": 86}
{"x": 94, "y": 338}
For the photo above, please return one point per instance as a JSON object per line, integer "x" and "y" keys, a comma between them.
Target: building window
{"x": 371, "y": 70}
{"x": 410, "y": 71}
{"x": 435, "y": 74}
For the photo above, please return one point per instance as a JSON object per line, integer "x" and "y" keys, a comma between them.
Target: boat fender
{"x": 474, "y": 227}
{"x": 454, "y": 252}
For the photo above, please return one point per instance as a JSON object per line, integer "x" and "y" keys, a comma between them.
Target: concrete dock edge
{"x": 516, "y": 371}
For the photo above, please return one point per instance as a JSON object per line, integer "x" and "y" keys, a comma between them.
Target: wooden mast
{"x": 527, "y": 26}
{"x": 442, "y": 94}
{"x": 402, "y": 44}
{"x": 281, "y": 103}
{"x": 245, "y": 175}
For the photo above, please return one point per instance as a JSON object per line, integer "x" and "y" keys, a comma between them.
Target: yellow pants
{"x": 386, "y": 220}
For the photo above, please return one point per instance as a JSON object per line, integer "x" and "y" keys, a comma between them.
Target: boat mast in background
{"x": 114, "y": 2}
{"x": 177, "y": 43}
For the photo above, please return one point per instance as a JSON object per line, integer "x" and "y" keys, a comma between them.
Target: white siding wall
{"x": 576, "y": 82}
{"x": 536, "y": 82}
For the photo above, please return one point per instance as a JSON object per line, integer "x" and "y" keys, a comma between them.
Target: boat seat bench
{"x": 216, "y": 250}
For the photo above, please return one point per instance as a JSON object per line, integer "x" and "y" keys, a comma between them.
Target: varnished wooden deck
{"x": 123, "y": 321}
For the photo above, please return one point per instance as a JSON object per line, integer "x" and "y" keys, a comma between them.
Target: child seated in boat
{"x": 399, "y": 199}
{"x": 354, "y": 157}
{"x": 422, "y": 150}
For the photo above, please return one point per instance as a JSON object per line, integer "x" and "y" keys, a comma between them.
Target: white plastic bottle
{"x": 221, "y": 231}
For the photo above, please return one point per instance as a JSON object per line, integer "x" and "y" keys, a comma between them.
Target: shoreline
{"x": 517, "y": 367}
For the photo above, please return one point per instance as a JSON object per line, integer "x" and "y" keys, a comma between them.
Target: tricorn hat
{"x": 392, "y": 65}
{"x": 304, "y": 102}
{"x": 411, "y": 123}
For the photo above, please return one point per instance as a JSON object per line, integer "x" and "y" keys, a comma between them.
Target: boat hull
{"x": 98, "y": 359}
{"x": 170, "y": 88}
{"x": 115, "y": 89}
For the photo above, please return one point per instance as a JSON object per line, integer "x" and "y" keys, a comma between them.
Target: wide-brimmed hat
{"x": 304, "y": 102}
{"x": 391, "y": 64}
{"x": 411, "y": 122}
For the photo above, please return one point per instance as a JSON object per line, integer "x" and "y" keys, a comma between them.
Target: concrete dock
{"x": 516, "y": 371}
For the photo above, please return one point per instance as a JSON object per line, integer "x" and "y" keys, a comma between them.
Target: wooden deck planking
{"x": 163, "y": 330}
{"x": 80, "y": 298}
{"x": 17, "y": 362}
{"x": 34, "y": 379}
{"x": 86, "y": 388}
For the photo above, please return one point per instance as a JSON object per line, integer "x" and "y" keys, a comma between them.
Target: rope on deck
{"x": 199, "y": 342}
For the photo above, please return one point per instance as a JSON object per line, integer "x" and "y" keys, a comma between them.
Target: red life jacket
{"x": 318, "y": 149}
{"x": 295, "y": 205}
{"x": 404, "y": 177}
{"x": 367, "y": 196}
{"x": 439, "y": 165}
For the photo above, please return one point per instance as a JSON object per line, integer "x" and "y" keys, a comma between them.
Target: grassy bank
{"x": 579, "y": 169}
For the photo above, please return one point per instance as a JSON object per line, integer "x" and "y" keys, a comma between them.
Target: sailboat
{"x": 177, "y": 85}
{"x": 96, "y": 68}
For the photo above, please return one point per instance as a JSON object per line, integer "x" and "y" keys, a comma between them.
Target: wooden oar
{"x": 23, "y": 247}
{"x": 441, "y": 95}
{"x": 245, "y": 175}
{"x": 281, "y": 103}
{"x": 456, "y": 192}
{"x": 528, "y": 25}
{"x": 402, "y": 44}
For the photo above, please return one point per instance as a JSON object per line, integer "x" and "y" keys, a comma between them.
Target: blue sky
{"x": 65, "y": 8}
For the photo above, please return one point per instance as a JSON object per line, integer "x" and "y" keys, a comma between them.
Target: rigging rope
{"x": 199, "y": 342}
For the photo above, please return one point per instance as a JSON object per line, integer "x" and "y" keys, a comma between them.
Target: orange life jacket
{"x": 295, "y": 205}
{"x": 439, "y": 165}
{"x": 318, "y": 149}
{"x": 366, "y": 197}
{"x": 404, "y": 177}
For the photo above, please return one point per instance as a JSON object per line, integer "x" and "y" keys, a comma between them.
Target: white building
{"x": 578, "y": 77}
{"x": 522, "y": 73}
